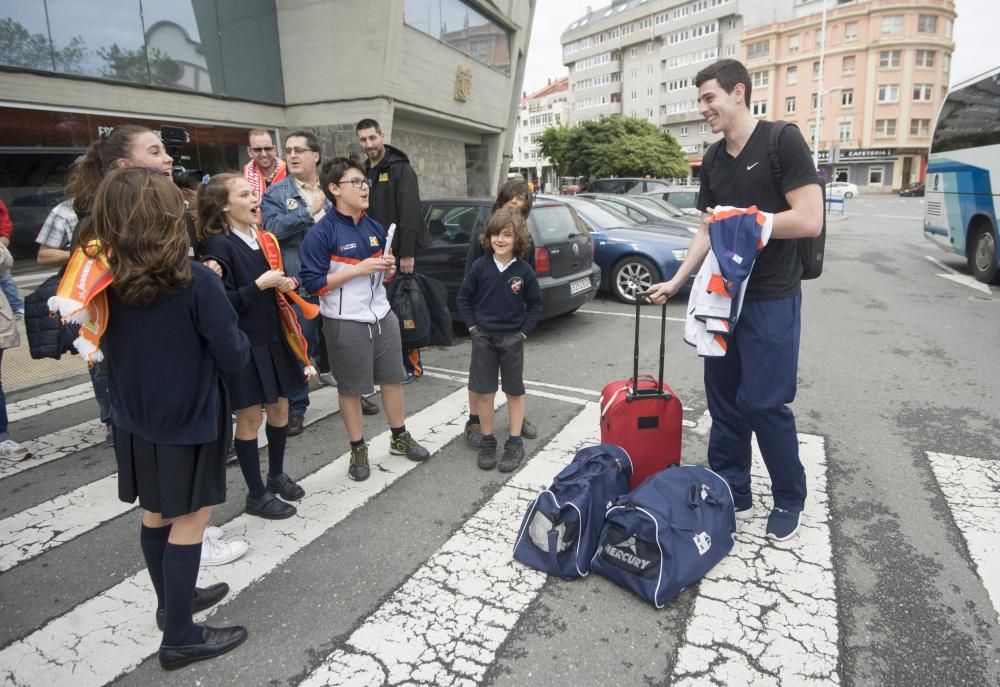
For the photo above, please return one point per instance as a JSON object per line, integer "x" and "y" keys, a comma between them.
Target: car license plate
{"x": 579, "y": 285}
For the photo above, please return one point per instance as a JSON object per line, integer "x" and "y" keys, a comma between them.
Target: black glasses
{"x": 356, "y": 183}
{"x": 263, "y": 149}
{"x": 299, "y": 151}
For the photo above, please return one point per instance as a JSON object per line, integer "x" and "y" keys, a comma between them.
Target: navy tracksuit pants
{"x": 748, "y": 391}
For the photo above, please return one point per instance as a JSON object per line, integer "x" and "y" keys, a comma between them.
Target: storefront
{"x": 37, "y": 148}
{"x": 876, "y": 170}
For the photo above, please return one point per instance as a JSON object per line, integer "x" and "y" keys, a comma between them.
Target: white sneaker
{"x": 327, "y": 378}
{"x": 213, "y": 532}
{"x": 222, "y": 551}
{"x": 13, "y": 451}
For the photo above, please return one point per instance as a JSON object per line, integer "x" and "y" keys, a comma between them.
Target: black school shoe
{"x": 270, "y": 507}
{"x": 513, "y": 454}
{"x": 218, "y": 640}
{"x": 283, "y": 486}
{"x": 296, "y": 424}
{"x": 203, "y": 598}
{"x": 368, "y": 408}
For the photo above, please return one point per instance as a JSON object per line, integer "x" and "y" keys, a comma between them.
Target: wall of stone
{"x": 439, "y": 162}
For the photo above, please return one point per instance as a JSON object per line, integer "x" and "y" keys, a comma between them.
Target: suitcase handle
{"x": 658, "y": 391}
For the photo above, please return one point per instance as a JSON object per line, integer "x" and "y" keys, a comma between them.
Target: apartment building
{"x": 885, "y": 71}
{"x": 548, "y": 106}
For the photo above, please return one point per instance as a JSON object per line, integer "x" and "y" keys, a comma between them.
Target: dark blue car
{"x": 631, "y": 259}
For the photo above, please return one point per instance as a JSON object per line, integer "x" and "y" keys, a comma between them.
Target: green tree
{"x": 553, "y": 144}
{"x": 21, "y": 48}
{"x": 623, "y": 146}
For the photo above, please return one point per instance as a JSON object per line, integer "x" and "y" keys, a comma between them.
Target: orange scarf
{"x": 289, "y": 322}
{"x": 82, "y": 298}
{"x": 257, "y": 181}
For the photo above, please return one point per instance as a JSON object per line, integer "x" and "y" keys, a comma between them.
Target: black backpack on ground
{"x": 810, "y": 249}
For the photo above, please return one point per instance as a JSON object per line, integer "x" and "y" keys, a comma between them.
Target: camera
{"x": 173, "y": 137}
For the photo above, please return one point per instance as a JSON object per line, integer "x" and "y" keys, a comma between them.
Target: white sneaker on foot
{"x": 13, "y": 451}
{"x": 222, "y": 551}
{"x": 213, "y": 532}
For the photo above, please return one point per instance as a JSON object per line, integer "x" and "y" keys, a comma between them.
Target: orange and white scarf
{"x": 257, "y": 181}
{"x": 82, "y": 298}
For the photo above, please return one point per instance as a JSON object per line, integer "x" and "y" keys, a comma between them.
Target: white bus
{"x": 963, "y": 176}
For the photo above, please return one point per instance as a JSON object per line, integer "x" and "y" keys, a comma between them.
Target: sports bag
{"x": 421, "y": 306}
{"x": 559, "y": 533}
{"x": 668, "y": 533}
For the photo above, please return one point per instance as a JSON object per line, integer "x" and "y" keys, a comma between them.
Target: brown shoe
{"x": 295, "y": 425}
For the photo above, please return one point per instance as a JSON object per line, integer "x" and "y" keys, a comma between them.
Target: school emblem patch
{"x": 384, "y": 176}
{"x": 292, "y": 203}
{"x": 516, "y": 284}
{"x": 373, "y": 240}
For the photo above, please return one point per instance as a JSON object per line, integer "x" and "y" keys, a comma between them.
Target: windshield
{"x": 554, "y": 222}
{"x": 598, "y": 216}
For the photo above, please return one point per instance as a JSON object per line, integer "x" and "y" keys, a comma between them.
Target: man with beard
{"x": 265, "y": 167}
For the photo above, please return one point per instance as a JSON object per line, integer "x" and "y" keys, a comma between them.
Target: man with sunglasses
{"x": 265, "y": 167}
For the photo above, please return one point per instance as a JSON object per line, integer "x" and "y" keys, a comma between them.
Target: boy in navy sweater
{"x": 500, "y": 302}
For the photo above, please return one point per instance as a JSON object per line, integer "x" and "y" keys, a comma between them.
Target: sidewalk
{"x": 20, "y": 371}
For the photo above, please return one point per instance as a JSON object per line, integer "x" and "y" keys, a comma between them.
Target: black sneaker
{"x": 359, "y": 469}
{"x": 782, "y": 524}
{"x": 473, "y": 434}
{"x": 283, "y": 486}
{"x": 487, "y": 459}
{"x": 406, "y": 445}
{"x": 513, "y": 454}
{"x": 528, "y": 430}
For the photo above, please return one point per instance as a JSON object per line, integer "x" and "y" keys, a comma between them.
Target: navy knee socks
{"x": 153, "y": 540}
{"x": 249, "y": 458}
{"x": 276, "y": 439}
{"x": 180, "y": 573}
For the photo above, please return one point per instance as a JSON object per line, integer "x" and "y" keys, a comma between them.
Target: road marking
{"x": 445, "y": 624}
{"x": 43, "y": 403}
{"x": 629, "y": 315}
{"x": 56, "y": 445}
{"x": 767, "y": 614}
{"x": 31, "y": 279}
{"x": 906, "y": 217}
{"x": 463, "y": 375}
{"x": 971, "y": 487}
{"x": 36, "y": 530}
{"x": 951, "y": 274}
{"x": 111, "y": 633}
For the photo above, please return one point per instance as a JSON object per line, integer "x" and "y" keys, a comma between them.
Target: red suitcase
{"x": 643, "y": 418}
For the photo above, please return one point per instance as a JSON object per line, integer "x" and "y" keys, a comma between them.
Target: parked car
{"x": 916, "y": 190}
{"x": 683, "y": 197}
{"x": 625, "y": 185}
{"x": 841, "y": 189}
{"x": 630, "y": 259}
{"x": 671, "y": 210}
{"x": 564, "y": 250}
{"x": 638, "y": 213}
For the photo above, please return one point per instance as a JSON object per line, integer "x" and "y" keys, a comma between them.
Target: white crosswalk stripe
{"x": 43, "y": 403}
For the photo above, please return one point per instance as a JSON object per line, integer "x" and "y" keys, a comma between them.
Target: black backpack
{"x": 810, "y": 249}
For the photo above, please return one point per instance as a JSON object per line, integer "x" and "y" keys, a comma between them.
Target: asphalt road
{"x": 407, "y": 578}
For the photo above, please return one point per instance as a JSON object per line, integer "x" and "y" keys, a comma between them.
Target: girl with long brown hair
{"x": 170, "y": 333}
{"x": 227, "y": 230}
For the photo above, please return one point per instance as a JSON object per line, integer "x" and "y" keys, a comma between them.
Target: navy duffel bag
{"x": 559, "y": 532}
{"x": 668, "y": 533}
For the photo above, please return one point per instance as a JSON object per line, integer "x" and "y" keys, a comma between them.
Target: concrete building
{"x": 885, "y": 74}
{"x": 443, "y": 78}
{"x": 548, "y": 106}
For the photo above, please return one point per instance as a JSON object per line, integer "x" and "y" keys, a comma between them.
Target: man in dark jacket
{"x": 394, "y": 198}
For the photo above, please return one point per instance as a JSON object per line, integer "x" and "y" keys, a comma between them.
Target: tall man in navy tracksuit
{"x": 345, "y": 261}
{"x": 749, "y": 388}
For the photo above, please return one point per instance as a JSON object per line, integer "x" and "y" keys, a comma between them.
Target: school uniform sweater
{"x": 500, "y": 302}
{"x": 166, "y": 359}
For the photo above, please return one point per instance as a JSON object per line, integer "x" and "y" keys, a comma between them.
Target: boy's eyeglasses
{"x": 356, "y": 183}
{"x": 263, "y": 149}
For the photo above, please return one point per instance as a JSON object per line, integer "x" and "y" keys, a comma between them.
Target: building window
{"x": 848, "y": 64}
{"x": 920, "y": 127}
{"x": 926, "y": 23}
{"x": 846, "y": 97}
{"x": 760, "y": 79}
{"x": 888, "y": 93}
{"x": 815, "y": 70}
{"x": 885, "y": 128}
{"x": 875, "y": 176}
{"x": 815, "y": 101}
{"x": 922, "y": 92}
{"x": 892, "y": 24}
{"x": 850, "y": 31}
{"x": 790, "y": 105}
{"x": 844, "y": 131}
{"x": 945, "y": 61}
{"x": 758, "y": 108}
{"x": 635, "y": 95}
{"x": 633, "y": 52}
{"x": 649, "y": 69}
{"x": 627, "y": 29}
{"x": 793, "y": 44}
{"x": 649, "y": 92}
{"x": 758, "y": 49}
{"x": 889, "y": 59}
{"x": 645, "y": 23}
{"x": 703, "y": 128}
{"x": 924, "y": 59}
{"x": 649, "y": 113}
{"x": 684, "y": 131}
{"x": 730, "y": 51}
{"x": 633, "y": 73}
{"x": 650, "y": 46}
{"x": 462, "y": 27}
{"x": 792, "y": 75}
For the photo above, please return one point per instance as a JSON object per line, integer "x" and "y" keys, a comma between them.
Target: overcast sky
{"x": 975, "y": 29}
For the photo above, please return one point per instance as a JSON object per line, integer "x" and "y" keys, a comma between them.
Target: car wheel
{"x": 631, "y": 276}
{"x": 982, "y": 253}
{"x": 848, "y": 195}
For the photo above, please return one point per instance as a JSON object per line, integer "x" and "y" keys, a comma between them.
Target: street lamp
{"x": 819, "y": 117}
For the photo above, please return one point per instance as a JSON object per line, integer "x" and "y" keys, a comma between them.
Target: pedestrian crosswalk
{"x": 769, "y": 614}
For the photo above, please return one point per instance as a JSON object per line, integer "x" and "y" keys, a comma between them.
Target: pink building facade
{"x": 886, "y": 71}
